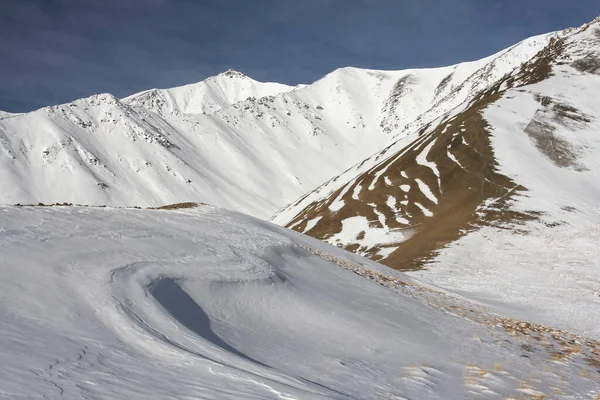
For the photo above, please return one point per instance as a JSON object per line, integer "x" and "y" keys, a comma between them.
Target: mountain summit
{"x": 207, "y": 96}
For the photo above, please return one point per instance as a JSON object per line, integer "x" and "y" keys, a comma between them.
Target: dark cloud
{"x": 53, "y": 51}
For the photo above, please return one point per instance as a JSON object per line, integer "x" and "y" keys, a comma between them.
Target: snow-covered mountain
{"x": 105, "y": 303}
{"x": 480, "y": 178}
{"x": 4, "y": 114}
{"x": 229, "y": 140}
{"x": 498, "y": 197}
{"x": 206, "y": 97}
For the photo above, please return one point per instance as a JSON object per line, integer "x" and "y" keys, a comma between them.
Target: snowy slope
{"x": 229, "y": 140}
{"x": 499, "y": 198}
{"x": 4, "y": 114}
{"x": 423, "y": 95}
{"x": 254, "y": 156}
{"x": 149, "y": 304}
{"x": 546, "y": 138}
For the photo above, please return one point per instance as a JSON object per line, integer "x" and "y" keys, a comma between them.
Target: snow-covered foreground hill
{"x": 204, "y": 303}
{"x": 229, "y": 140}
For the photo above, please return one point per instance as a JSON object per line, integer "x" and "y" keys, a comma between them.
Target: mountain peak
{"x": 230, "y": 73}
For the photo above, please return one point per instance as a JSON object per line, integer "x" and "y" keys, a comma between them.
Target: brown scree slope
{"x": 469, "y": 191}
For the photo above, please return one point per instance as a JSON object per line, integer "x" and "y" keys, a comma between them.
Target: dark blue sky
{"x": 53, "y": 51}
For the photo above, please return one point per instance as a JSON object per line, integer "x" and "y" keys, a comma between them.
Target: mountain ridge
{"x": 254, "y": 155}
{"x": 206, "y": 96}
{"x": 518, "y": 164}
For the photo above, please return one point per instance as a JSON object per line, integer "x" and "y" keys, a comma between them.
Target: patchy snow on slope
{"x": 391, "y": 203}
{"x": 415, "y": 98}
{"x": 356, "y": 191}
{"x": 426, "y": 191}
{"x": 385, "y": 252}
{"x": 336, "y": 205}
{"x": 453, "y": 158}
{"x": 380, "y": 215}
{"x": 359, "y": 230}
{"x": 422, "y": 160}
{"x": 546, "y": 139}
{"x": 423, "y": 209}
{"x": 311, "y": 224}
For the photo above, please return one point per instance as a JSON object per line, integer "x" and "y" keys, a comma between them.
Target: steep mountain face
{"x": 229, "y": 140}
{"x": 447, "y": 168}
{"x": 521, "y": 158}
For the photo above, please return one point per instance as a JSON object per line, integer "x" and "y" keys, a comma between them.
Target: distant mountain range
{"x": 230, "y": 140}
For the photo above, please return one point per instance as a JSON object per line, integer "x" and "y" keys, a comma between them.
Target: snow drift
{"x": 204, "y": 303}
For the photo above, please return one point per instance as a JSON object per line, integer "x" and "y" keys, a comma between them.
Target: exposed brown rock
{"x": 177, "y": 206}
{"x": 469, "y": 191}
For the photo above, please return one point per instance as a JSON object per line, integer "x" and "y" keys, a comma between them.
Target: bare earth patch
{"x": 542, "y": 130}
{"x": 555, "y": 148}
{"x": 177, "y": 206}
{"x": 441, "y": 186}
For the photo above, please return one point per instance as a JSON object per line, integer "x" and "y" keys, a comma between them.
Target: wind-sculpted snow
{"x": 200, "y": 303}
